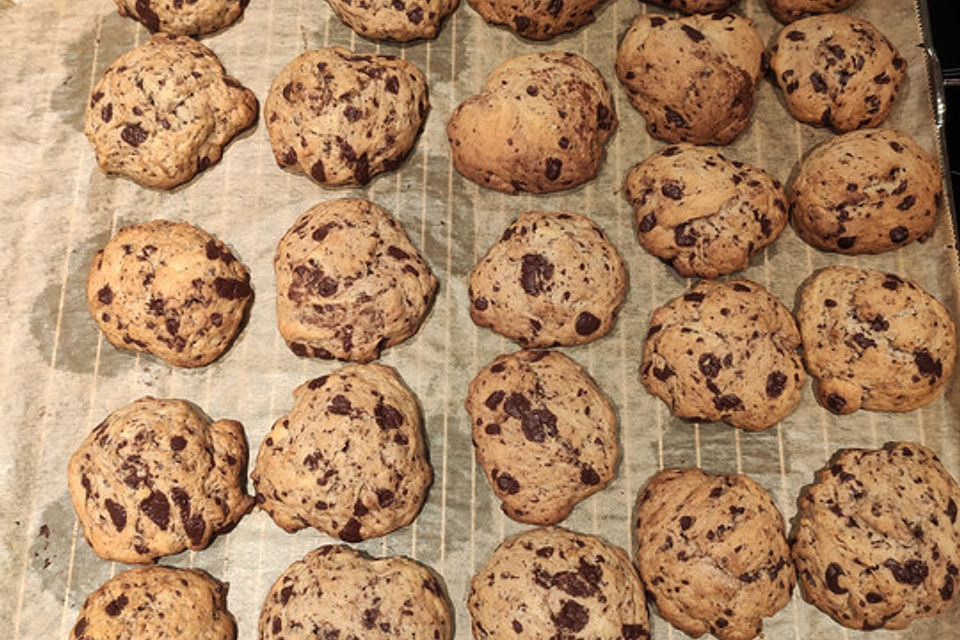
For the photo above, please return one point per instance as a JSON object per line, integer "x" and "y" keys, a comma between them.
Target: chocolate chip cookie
{"x": 190, "y": 18}
{"x": 535, "y": 19}
{"x": 544, "y": 433}
{"x": 866, "y": 192}
{"x": 157, "y": 477}
{"x": 156, "y": 603}
{"x": 396, "y": 20}
{"x": 341, "y": 118}
{"x": 876, "y": 542}
{"x": 349, "y": 459}
{"x": 554, "y": 583}
{"x": 712, "y": 552}
{"x": 336, "y": 592}
{"x": 787, "y": 11}
{"x": 169, "y": 289}
{"x": 694, "y": 6}
{"x": 837, "y": 71}
{"x": 349, "y": 282}
{"x": 551, "y": 279}
{"x": 874, "y": 340}
{"x": 693, "y": 77}
{"x": 539, "y": 124}
{"x": 725, "y": 351}
{"x": 701, "y": 213}
{"x": 163, "y": 112}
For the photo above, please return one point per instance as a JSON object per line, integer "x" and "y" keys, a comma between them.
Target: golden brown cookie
{"x": 190, "y": 18}
{"x": 536, "y": 19}
{"x": 397, "y": 20}
{"x": 787, "y": 11}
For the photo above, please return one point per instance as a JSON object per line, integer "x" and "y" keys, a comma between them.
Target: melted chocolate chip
{"x": 832, "y": 577}
{"x": 776, "y": 381}
{"x": 535, "y": 271}
{"x": 507, "y": 483}
{"x": 587, "y": 323}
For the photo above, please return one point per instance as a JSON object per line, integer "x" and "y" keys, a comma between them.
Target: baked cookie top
{"x": 551, "y": 279}
{"x": 169, "y": 289}
{"x": 725, "y": 351}
{"x": 157, "y": 476}
{"x": 544, "y": 433}
{"x": 554, "y": 583}
{"x": 712, "y": 552}
{"x": 397, "y": 20}
{"x": 876, "y": 542}
{"x": 191, "y": 18}
{"x": 694, "y": 6}
{"x": 163, "y": 112}
{"x": 535, "y": 19}
{"x": 336, "y": 592}
{"x": 874, "y": 340}
{"x": 691, "y": 77}
{"x": 866, "y": 192}
{"x": 539, "y": 124}
{"x": 349, "y": 459}
{"x": 703, "y": 214}
{"x": 349, "y": 282}
{"x": 787, "y": 11}
{"x": 156, "y": 603}
{"x": 837, "y": 71}
{"x": 341, "y": 118}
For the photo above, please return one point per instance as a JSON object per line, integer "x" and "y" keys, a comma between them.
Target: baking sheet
{"x": 61, "y": 378}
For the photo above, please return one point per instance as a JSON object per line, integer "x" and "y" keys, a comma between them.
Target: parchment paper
{"x": 60, "y": 377}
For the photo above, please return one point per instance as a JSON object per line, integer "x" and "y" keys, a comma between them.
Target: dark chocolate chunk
{"x": 832, "y": 576}
{"x": 587, "y": 323}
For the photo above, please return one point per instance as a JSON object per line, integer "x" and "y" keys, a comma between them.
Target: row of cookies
{"x": 875, "y": 545}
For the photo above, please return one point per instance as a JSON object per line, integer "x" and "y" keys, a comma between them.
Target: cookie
{"x": 701, "y": 213}
{"x": 866, "y": 192}
{"x": 725, "y": 351}
{"x": 539, "y": 124}
{"x": 537, "y": 20}
{"x": 787, "y": 11}
{"x": 349, "y": 459}
{"x": 694, "y": 6}
{"x": 169, "y": 289}
{"x": 554, "y": 583}
{"x": 157, "y": 477}
{"x": 349, "y": 282}
{"x": 544, "y": 434}
{"x": 156, "y": 603}
{"x": 183, "y": 18}
{"x": 336, "y": 592}
{"x": 712, "y": 553}
{"x": 873, "y": 340}
{"x": 837, "y": 71}
{"x": 876, "y": 541}
{"x": 341, "y": 118}
{"x": 396, "y": 20}
{"x": 692, "y": 78}
{"x": 551, "y": 279}
{"x": 163, "y": 112}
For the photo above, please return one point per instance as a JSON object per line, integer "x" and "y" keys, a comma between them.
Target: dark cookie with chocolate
{"x": 396, "y": 20}
{"x": 190, "y": 18}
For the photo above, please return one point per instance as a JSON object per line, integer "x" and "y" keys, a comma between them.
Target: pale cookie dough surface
{"x": 692, "y": 78}
{"x": 874, "y": 340}
{"x": 702, "y": 213}
{"x": 544, "y": 433}
{"x": 183, "y": 17}
{"x": 877, "y": 542}
{"x": 554, "y": 583}
{"x": 341, "y": 117}
{"x": 163, "y": 112}
{"x": 725, "y": 351}
{"x": 349, "y": 282}
{"x": 712, "y": 552}
{"x": 397, "y": 20}
{"x": 156, "y": 603}
{"x": 349, "y": 459}
{"x": 157, "y": 477}
{"x": 551, "y": 279}
{"x": 539, "y": 124}
{"x": 169, "y": 289}
{"x": 337, "y": 593}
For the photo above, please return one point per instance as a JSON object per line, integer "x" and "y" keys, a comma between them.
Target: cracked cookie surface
{"x": 190, "y": 18}
{"x": 163, "y": 112}
{"x": 701, "y": 213}
{"x": 554, "y": 583}
{"x": 725, "y": 351}
{"x": 169, "y": 289}
{"x": 157, "y": 476}
{"x": 348, "y": 459}
{"x": 877, "y": 542}
{"x": 544, "y": 433}
{"x": 712, "y": 552}
{"x": 874, "y": 340}
{"x": 396, "y": 20}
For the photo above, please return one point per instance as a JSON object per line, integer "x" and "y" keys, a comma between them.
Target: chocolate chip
{"x": 535, "y": 270}
{"x": 360, "y": 509}
{"x": 727, "y": 402}
{"x": 882, "y": 78}
{"x": 415, "y": 15}
{"x": 837, "y": 51}
{"x": 553, "y": 168}
{"x": 480, "y": 304}
{"x": 906, "y": 203}
{"x": 819, "y": 84}
{"x": 507, "y": 483}
{"x": 692, "y": 33}
{"x": 494, "y": 399}
{"x": 587, "y": 323}
{"x": 776, "y": 381}
{"x": 341, "y": 406}
{"x": 105, "y": 295}
{"x": 681, "y": 236}
{"x": 836, "y": 403}
{"x": 846, "y": 242}
{"x": 231, "y": 288}
{"x": 633, "y": 631}
{"x": 675, "y": 118}
{"x": 516, "y": 405}
{"x": 863, "y": 341}
{"x": 589, "y": 476}
{"x": 392, "y": 85}
{"x": 106, "y": 112}
{"x": 657, "y": 21}
{"x": 572, "y": 616}
{"x": 709, "y": 365}
{"x": 316, "y": 171}
{"x": 492, "y": 429}
{"x": 178, "y": 443}
{"x": 554, "y": 7}
{"x": 911, "y": 572}
{"x": 663, "y": 374}
{"x": 532, "y": 91}
{"x": 672, "y": 191}
{"x": 873, "y": 597}
{"x": 522, "y": 23}
{"x": 647, "y": 223}
{"x": 899, "y": 234}
{"x": 926, "y": 364}
{"x": 115, "y": 606}
{"x": 832, "y": 576}
{"x": 351, "y": 531}
{"x": 686, "y": 522}
{"x": 796, "y": 36}
{"x": 157, "y": 508}
{"x": 537, "y": 424}
{"x": 951, "y": 511}
{"x": 134, "y": 135}
{"x": 147, "y": 15}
